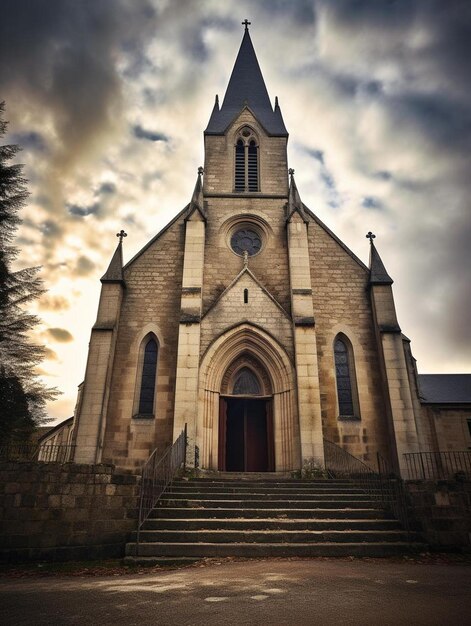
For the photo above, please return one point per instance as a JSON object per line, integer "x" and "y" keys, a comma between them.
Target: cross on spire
{"x": 121, "y": 235}
{"x": 291, "y": 172}
{"x": 246, "y": 23}
{"x": 200, "y": 171}
{"x": 370, "y": 236}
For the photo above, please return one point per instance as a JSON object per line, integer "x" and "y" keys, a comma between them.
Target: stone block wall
{"x": 442, "y": 509}
{"x": 56, "y": 512}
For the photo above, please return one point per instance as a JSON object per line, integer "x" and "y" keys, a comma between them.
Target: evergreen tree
{"x": 22, "y": 396}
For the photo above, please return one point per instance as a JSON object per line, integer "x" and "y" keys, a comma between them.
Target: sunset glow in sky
{"x": 109, "y": 100}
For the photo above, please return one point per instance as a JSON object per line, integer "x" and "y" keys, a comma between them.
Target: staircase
{"x": 269, "y": 516}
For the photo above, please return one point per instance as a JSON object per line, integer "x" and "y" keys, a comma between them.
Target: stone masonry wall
{"x": 56, "y": 512}
{"x": 341, "y": 304}
{"x": 442, "y": 509}
{"x": 151, "y": 303}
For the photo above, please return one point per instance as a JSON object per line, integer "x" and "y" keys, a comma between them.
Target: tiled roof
{"x": 445, "y": 388}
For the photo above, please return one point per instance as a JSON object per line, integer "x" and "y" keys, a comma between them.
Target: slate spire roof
{"x": 378, "y": 273}
{"x": 114, "y": 273}
{"x": 246, "y": 88}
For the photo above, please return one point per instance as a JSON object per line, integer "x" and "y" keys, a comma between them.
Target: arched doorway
{"x": 246, "y": 419}
{"x": 250, "y": 346}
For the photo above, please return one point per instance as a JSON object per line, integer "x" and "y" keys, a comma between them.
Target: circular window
{"x": 246, "y": 240}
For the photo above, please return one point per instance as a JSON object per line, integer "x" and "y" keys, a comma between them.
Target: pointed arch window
{"x": 246, "y": 174}
{"x": 147, "y": 378}
{"x": 347, "y": 396}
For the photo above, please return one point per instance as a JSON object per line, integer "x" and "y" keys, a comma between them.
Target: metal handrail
{"x": 341, "y": 464}
{"x": 45, "y": 453}
{"x": 157, "y": 475}
{"x": 384, "y": 485}
{"x": 438, "y": 465}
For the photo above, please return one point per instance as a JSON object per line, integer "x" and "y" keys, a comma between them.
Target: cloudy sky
{"x": 109, "y": 100}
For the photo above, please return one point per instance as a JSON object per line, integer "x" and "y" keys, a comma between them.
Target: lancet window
{"x": 147, "y": 377}
{"x": 246, "y": 175}
{"x": 345, "y": 375}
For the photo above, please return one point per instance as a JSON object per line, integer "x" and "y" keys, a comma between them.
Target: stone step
{"x": 257, "y": 550}
{"x": 271, "y": 536}
{"x": 267, "y": 483}
{"x": 308, "y": 489}
{"x": 270, "y": 524}
{"x": 221, "y": 512}
{"x": 262, "y": 503}
{"x": 259, "y": 495}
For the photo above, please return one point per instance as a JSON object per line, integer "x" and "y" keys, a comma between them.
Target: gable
{"x": 261, "y": 310}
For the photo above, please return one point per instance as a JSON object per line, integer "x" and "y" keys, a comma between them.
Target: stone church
{"x": 249, "y": 321}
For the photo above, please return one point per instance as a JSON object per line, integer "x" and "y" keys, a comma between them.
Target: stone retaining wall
{"x": 59, "y": 512}
{"x": 442, "y": 509}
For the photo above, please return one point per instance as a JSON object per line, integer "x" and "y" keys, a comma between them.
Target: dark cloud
{"x": 446, "y": 122}
{"x": 29, "y": 140}
{"x": 84, "y": 266}
{"x": 83, "y": 211}
{"x": 64, "y": 54}
{"x": 53, "y": 303}
{"x": 142, "y": 133}
{"x": 369, "y": 202}
{"x": 303, "y": 12}
{"x": 106, "y": 189}
{"x": 50, "y": 229}
{"x": 60, "y": 334}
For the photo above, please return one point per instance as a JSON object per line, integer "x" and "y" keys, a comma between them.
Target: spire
{"x": 114, "y": 273}
{"x": 246, "y": 88}
{"x": 295, "y": 204}
{"x": 378, "y": 273}
{"x": 197, "y": 199}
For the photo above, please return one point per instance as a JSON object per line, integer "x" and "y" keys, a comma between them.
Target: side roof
{"x": 445, "y": 388}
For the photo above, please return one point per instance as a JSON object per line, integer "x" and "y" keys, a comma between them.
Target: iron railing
{"x": 383, "y": 486}
{"x": 393, "y": 491}
{"x": 157, "y": 474}
{"x": 341, "y": 464}
{"x": 438, "y": 465}
{"x": 46, "y": 453}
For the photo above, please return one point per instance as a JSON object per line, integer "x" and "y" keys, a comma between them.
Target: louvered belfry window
{"x": 149, "y": 371}
{"x": 246, "y": 176}
{"x": 343, "y": 372}
{"x": 240, "y": 166}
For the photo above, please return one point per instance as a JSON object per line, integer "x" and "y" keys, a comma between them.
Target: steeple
{"x": 114, "y": 273}
{"x": 246, "y": 88}
{"x": 378, "y": 273}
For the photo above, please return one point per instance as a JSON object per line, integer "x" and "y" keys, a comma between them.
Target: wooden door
{"x": 222, "y": 435}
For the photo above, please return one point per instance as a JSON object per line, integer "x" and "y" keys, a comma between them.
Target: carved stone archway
{"x": 249, "y": 345}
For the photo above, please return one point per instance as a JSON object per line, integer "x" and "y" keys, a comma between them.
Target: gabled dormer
{"x": 246, "y": 138}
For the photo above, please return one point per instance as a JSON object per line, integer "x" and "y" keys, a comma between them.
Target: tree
{"x": 22, "y": 395}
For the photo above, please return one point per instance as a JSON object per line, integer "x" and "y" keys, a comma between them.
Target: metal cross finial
{"x": 370, "y": 236}
{"x": 291, "y": 172}
{"x": 246, "y": 23}
{"x": 246, "y": 258}
{"x": 200, "y": 170}
{"x": 121, "y": 235}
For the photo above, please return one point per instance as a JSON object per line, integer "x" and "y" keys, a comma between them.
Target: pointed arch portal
{"x": 247, "y": 419}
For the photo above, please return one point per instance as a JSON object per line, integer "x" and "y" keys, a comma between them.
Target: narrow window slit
{"x": 246, "y": 296}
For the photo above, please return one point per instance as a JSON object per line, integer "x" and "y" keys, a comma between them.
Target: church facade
{"x": 249, "y": 321}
